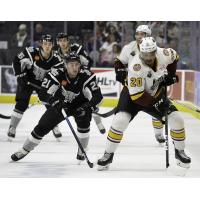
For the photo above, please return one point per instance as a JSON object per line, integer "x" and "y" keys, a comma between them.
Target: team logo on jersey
{"x": 137, "y": 67}
{"x": 166, "y": 52}
{"x": 69, "y": 96}
{"x": 36, "y": 58}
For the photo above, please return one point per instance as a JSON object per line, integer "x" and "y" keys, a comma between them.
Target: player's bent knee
{"x": 175, "y": 120}
{"x": 40, "y": 131}
{"x": 121, "y": 121}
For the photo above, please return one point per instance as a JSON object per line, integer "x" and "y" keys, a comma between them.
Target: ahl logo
{"x": 137, "y": 67}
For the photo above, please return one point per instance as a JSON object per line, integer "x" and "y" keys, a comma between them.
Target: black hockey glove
{"x": 57, "y": 104}
{"x": 84, "y": 109}
{"x": 170, "y": 79}
{"x": 22, "y": 79}
{"x": 161, "y": 104}
{"x": 120, "y": 71}
{"x": 121, "y": 75}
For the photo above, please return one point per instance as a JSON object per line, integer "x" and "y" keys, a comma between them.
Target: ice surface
{"x": 138, "y": 155}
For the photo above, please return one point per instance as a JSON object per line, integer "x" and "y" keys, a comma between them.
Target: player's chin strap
{"x": 77, "y": 140}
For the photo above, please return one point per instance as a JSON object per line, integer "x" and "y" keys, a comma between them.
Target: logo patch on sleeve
{"x": 137, "y": 67}
{"x": 166, "y": 52}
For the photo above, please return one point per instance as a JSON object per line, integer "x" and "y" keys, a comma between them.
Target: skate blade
{"x": 102, "y": 168}
{"x": 183, "y": 165}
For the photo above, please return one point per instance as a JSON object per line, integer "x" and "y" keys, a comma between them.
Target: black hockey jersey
{"x": 79, "y": 49}
{"x": 74, "y": 92}
{"x": 31, "y": 62}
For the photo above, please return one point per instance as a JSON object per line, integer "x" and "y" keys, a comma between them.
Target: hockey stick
{"x": 77, "y": 140}
{"x": 108, "y": 114}
{"x": 166, "y": 132}
{"x": 186, "y": 105}
{"x": 34, "y": 85}
{"x": 5, "y": 116}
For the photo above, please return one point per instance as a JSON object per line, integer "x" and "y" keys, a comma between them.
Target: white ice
{"x": 138, "y": 155}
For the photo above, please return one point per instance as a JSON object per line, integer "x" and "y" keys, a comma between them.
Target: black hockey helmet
{"x": 47, "y": 38}
{"x": 72, "y": 56}
{"x": 62, "y": 35}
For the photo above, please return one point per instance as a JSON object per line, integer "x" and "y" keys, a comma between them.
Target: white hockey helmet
{"x": 147, "y": 45}
{"x": 144, "y": 29}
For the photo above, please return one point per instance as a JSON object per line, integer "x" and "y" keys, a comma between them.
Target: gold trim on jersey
{"x": 137, "y": 95}
{"x": 178, "y": 134}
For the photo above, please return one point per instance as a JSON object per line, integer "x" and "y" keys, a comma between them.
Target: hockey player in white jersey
{"x": 121, "y": 62}
{"x": 139, "y": 95}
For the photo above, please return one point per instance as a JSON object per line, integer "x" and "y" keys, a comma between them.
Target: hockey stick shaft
{"x": 5, "y": 116}
{"x": 190, "y": 107}
{"x": 108, "y": 114}
{"x": 34, "y": 85}
{"x": 166, "y": 133}
{"x": 77, "y": 140}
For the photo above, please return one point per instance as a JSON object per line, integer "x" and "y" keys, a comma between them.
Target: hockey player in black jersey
{"x": 30, "y": 66}
{"x": 70, "y": 88}
{"x": 64, "y": 48}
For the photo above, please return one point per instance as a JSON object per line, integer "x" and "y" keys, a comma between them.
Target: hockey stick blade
{"x": 108, "y": 114}
{"x": 91, "y": 165}
{"x": 5, "y": 116}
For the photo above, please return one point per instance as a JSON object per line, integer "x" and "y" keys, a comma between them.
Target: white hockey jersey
{"x": 128, "y": 52}
{"x": 141, "y": 77}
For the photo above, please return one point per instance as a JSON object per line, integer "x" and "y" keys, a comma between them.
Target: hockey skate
{"x": 80, "y": 157}
{"x": 160, "y": 139}
{"x": 101, "y": 128}
{"x": 104, "y": 162}
{"x": 182, "y": 159}
{"x": 57, "y": 134}
{"x": 11, "y": 133}
{"x": 19, "y": 154}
